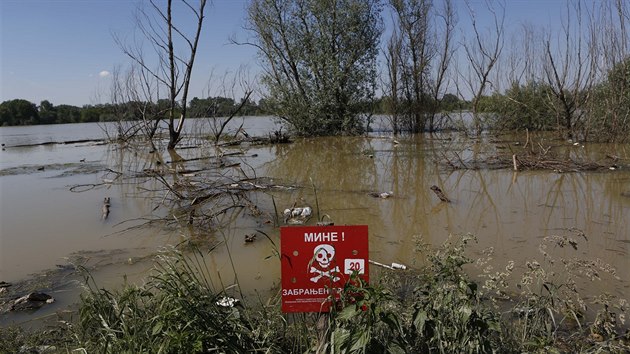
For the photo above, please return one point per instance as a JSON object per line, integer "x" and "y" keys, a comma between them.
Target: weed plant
{"x": 54, "y": 338}
{"x": 177, "y": 311}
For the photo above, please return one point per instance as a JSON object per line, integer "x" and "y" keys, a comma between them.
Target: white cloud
{"x": 103, "y": 73}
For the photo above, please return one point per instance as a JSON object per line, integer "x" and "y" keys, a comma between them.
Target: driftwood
{"x": 201, "y": 193}
{"x": 67, "y": 142}
{"x": 440, "y": 194}
{"x": 515, "y": 162}
{"x": 568, "y": 165}
{"x": 31, "y": 301}
{"x": 542, "y": 159}
{"x": 276, "y": 137}
{"x": 206, "y": 203}
{"x": 279, "y": 137}
{"x": 207, "y": 157}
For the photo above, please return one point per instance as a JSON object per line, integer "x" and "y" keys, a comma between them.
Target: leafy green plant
{"x": 328, "y": 71}
{"x": 364, "y": 320}
{"x": 444, "y": 313}
{"x": 449, "y": 315}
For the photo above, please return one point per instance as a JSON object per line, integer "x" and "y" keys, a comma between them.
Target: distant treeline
{"x": 24, "y": 112}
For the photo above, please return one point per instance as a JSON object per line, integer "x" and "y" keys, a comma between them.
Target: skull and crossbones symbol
{"x": 323, "y": 256}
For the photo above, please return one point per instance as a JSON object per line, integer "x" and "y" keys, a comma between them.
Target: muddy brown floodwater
{"x": 46, "y": 224}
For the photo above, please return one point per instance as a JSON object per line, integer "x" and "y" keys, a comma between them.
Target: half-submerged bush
{"x": 521, "y": 107}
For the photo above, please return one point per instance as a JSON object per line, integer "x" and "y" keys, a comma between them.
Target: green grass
{"x": 175, "y": 312}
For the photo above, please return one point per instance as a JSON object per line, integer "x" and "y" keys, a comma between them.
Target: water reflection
{"x": 511, "y": 212}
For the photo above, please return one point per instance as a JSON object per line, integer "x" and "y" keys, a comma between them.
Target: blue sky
{"x": 62, "y": 50}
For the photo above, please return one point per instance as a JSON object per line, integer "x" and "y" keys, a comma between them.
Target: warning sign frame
{"x": 317, "y": 261}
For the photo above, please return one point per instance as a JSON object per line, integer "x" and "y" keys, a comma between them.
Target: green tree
{"x": 18, "y": 112}
{"x": 6, "y": 116}
{"x": 90, "y": 113}
{"x": 319, "y": 59}
{"x": 68, "y": 114}
{"x": 47, "y": 113}
{"x": 211, "y": 107}
{"x": 222, "y": 106}
{"x": 249, "y": 107}
{"x": 451, "y": 102}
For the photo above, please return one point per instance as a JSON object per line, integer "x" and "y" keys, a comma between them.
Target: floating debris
{"x": 250, "y": 237}
{"x": 399, "y": 266}
{"x": 297, "y": 215}
{"x": 227, "y": 301}
{"x": 440, "y": 194}
{"x": 328, "y": 222}
{"x": 396, "y": 266}
{"x": 31, "y": 301}
{"x": 382, "y": 195}
{"x": 3, "y": 286}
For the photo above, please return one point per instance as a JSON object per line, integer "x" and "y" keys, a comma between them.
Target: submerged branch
{"x": 528, "y": 160}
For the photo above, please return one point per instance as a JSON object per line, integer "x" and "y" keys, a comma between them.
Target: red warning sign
{"x": 317, "y": 261}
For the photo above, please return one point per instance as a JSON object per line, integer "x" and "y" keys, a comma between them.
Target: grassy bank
{"x": 434, "y": 308}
